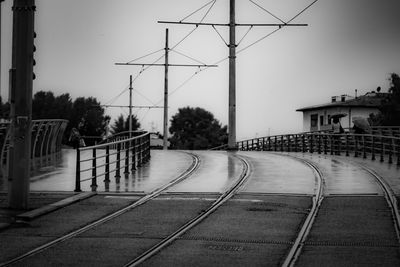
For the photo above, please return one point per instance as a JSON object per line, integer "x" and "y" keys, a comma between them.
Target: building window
{"x": 329, "y": 119}
{"x": 321, "y": 120}
{"x": 314, "y": 120}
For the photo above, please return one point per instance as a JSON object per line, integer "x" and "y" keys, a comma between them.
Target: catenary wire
{"x": 189, "y": 57}
{"x": 220, "y": 36}
{"x": 279, "y": 28}
{"x": 197, "y": 10}
{"x": 267, "y": 11}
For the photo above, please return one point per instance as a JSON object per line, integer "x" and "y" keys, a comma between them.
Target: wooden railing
{"x": 46, "y": 137}
{"x": 119, "y": 153}
{"x": 386, "y": 148}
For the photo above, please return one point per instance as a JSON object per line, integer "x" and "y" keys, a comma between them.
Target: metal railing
{"x": 359, "y": 145}
{"x": 46, "y": 138}
{"x": 104, "y": 159}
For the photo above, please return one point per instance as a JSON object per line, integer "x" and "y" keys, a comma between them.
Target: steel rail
{"x": 390, "y": 198}
{"x": 192, "y": 168}
{"x": 305, "y": 229}
{"x": 194, "y": 221}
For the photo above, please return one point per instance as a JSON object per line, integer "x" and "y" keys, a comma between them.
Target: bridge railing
{"x": 358, "y": 145}
{"x": 46, "y": 138}
{"x": 102, "y": 160}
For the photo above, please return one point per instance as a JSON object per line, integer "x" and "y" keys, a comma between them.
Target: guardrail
{"x": 364, "y": 145}
{"x": 100, "y": 160}
{"x": 46, "y": 138}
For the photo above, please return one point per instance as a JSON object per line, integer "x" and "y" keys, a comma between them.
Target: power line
{"x": 197, "y": 10}
{"x": 267, "y": 11}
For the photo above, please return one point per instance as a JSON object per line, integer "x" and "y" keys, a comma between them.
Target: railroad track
{"x": 298, "y": 244}
{"x": 188, "y": 172}
{"x": 196, "y": 220}
{"x": 300, "y": 241}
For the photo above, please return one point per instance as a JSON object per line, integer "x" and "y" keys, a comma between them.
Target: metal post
{"x": 364, "y": 151}
{"x": 319, "y": 144}
{"x": 133, "y": 155}
{"x": 94, "y": 171}
{"x": 107, "y": 167}
{"x": 130, "y": 107}
{"x": 373, "y": 148}
{"x": 126, "y": 169}
{"x": 20, "y": 96}
{"x": 232, "y": 78}
{"x": 165, "y": 137}
{"x": 347, "y": 146}
{"x": 78, "y": 171}
{"x": 118, "y": 163}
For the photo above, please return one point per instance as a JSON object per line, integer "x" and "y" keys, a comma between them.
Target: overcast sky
{"x": 348, "y": 45}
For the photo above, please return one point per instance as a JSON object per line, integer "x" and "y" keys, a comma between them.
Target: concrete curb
{"x": 30, "y": 215}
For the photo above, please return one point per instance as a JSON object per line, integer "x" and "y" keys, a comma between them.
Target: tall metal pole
{"x": 232, "y": 79}
{"x": 165, "y": 139}
{"x": 21, "y": 81}
{"x": 0, "y": 48}
{"x": 130, "y": 106}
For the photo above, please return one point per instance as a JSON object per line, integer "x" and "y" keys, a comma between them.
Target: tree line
{"x": 191, "y": 128}
{"x": 84, "y": 113}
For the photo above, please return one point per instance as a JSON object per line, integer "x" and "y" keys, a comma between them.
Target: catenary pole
{"x": 21, "y": 81}
{"x": 232, "y": 79}
{"x": 166, "y": 65}
{"x": 232, "y": 61}
{"x": 165, "y": 133}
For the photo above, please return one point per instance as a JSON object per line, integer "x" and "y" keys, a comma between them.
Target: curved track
{"x": 305, "y": 229}
{"x": 193, "y": 222}
{"x": 192, "y": 168}
{"x": 390, "y": 197}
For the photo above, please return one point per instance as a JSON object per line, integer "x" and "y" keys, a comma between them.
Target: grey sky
{"x": 349, "y": 44}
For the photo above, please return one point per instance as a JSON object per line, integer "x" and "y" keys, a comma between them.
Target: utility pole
{"x": 0, "y": 45}
{"x": 232, "y": 63}
{"x": 232, "y": 78}
{"x": 165, "y": 125}
{"x": 165, "y": 65}
{"x": 130, "y": 107}
{"x": 21, "y": 81}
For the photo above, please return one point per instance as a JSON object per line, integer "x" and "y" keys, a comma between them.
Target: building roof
{"x": 369, "y": 100}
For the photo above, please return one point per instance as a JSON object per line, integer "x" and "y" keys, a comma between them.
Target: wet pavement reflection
{"x": 344, "y": 177}
{"x": 278, "y": 174}
{"x": 218, "y": 170}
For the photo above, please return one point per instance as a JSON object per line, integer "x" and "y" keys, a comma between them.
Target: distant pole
{"x": 0, "y": 46}
{"x": 21, "y": 80}
{"x": 165, "y": 139}
{"x": 232, "y": 79}
{"x": 130, "y": 107}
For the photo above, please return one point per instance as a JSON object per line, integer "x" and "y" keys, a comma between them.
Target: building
{"x": 318, "y": 117}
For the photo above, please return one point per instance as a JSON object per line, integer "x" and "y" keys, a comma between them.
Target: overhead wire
{"x": 189, "y": 57}
{"x": 197, "y": 10}
{"x": 202, "y": 19}
{"x": 220, "y": 36}
{"x": 241, "y": 50}
{"x": 279, "y": 28}
{"x": 149, "y": 54}
{"x": 247, "y": 32}
{"x": 267, "y": 11}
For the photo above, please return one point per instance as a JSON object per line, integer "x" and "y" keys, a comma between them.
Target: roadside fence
{"x": 119, "y": 153}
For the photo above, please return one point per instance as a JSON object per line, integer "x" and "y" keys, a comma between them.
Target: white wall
{"x": 346, "y": 122}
